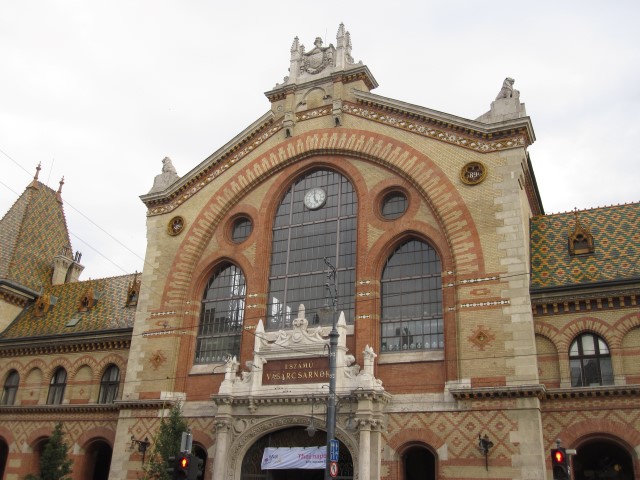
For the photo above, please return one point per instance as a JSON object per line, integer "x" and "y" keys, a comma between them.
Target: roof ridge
{"x": 590, "y": 209}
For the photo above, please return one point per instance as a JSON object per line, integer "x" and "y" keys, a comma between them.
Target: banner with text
{"x": 294, "y": 457}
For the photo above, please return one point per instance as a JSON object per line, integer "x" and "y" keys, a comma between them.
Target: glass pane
{"x": 576, "y": 373}
{"x": 411, "y": 292}
{"x": 222, "y": 316}
{"x": 606, "y": 371}
{"x": 302, "y": 240}
{"x": 588, "y": 345}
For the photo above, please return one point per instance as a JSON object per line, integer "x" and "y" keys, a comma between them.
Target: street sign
{"x": 333, "y": 469}
{"x": 334, "y": 450}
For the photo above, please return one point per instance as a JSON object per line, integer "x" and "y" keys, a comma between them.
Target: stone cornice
{"x": 93, "y": 341}
{"x": 250, "y": 138}
{"x": 589, "y": 392}
{"x": 516, "y": 391}
{"x": 469, "y": 134}
{"x": 60, "y": 409}
{"x": 543, "y": 393}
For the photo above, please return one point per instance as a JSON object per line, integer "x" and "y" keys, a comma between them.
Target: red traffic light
{"x": 558, "y": 456}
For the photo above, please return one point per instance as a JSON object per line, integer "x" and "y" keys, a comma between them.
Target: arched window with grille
{"x": 220, "y": 328}
{"x": 590, "y": 361}
{"x": 315, "y": 220}
{"x": 10, "y": 388}
{"x": 109, "y": 385}
{"x": 57, "y": 386}
{"x": 411, "y": 287}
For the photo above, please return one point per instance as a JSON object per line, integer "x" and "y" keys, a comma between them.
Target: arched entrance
{"x": 601, "y": 459}
{"x": 98, "y": 460}
{"x": 291, "y": 437}
{"x": 4, "y": 453}
{"x": 418, "y": 463}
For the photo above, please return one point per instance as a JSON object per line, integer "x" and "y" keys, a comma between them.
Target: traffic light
{"x": 560, "y": 464}
{"x": 196, "y": 468}
{"x": 181, "y": 470}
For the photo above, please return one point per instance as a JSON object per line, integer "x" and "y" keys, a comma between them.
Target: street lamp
{"x": 333, "y": 348}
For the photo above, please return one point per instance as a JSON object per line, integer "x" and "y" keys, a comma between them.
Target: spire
{"x": 34, "y": 183}
{"x": 59, "y": 192}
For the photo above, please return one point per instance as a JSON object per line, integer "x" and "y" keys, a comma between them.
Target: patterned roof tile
{"x": 109, "y": 312}
{"x": 33, "y": 232}
{"x": 616, "y": 236}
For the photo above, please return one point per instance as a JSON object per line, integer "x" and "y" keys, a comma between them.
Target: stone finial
{"x": 168, "y": 176}
{"x": 506, "y": 106}
{"x": 34, "y": 182}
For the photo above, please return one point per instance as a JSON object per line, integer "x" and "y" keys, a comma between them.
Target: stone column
{"x": 376, "y": 450}
{"x": 222, "y": 447}
{"x": 364, "y": 467}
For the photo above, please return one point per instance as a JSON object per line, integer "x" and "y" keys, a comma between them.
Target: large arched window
{"x": 56, "y": 387}
{"x": 220, "y": 328}
{"x": 10, "y": 388}
{"x": 412, "y": 299}
{"x": 590, "y": 361}
{"x": 109, "y": 385}
{"x": 315, "y": 219}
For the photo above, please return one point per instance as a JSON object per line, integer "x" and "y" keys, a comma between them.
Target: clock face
{"x": 315, "y": 198}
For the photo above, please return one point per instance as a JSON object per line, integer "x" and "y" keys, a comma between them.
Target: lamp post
{"x": 333, "y": 348}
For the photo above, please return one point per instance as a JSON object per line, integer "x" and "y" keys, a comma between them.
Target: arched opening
{"x": 601, "y": 459}
{"x": 419, "y": 463}
{"x": 200, "y": 452}
{"x": 288, "y": 438}
{"x": 4, "y": 453}
{"x": 97, "y": 460}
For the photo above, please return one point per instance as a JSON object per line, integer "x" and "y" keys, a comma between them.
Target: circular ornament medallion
{"x": 175, "y": 226}
{"x": 473, "y": 173}
{"x": 315, "y": 198}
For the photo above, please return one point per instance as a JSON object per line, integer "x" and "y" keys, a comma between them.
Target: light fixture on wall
{"x": 143, "y": 445}
{"x": 484, "y": 444}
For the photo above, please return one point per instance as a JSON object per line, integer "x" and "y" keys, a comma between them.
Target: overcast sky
{"x": 101, "y": 91}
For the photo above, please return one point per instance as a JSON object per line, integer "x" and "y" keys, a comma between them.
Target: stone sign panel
{"x": 305, "y": 370}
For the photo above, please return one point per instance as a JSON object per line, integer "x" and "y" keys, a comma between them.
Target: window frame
{"x": 109, "y": 387}
{"x": 424, "y": 317}
{"x": 57, "y": 387}
{"x": 597, "y": 360}
{"x": 216, "y": 334}
{"x": 302, "y": 239}
{"x": 10, "y": 389}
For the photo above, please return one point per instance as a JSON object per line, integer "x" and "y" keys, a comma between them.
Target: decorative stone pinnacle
{"x": 61, "y": 184}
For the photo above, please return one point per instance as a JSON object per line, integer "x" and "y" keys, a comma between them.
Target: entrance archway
{"x": 291, "y": 437}
{"x": 98, "y": 460}
{"x": 4, "y": 454}
{"x": 419, "y": 463}
{"x": 602, "y": 459}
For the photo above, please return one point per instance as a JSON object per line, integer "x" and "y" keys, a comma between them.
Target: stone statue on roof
{"x": 168, "y": 176}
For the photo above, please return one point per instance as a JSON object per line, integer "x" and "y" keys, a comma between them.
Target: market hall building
{"x": 467, "y": 317}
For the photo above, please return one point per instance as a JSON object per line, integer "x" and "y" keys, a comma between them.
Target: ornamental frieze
{"x": 426, "y": 130}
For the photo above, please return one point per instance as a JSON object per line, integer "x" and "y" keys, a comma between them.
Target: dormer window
{"x": 42, "y": 305}
{"x": 580, "y": 240}
{"x": 133, "y": 292}
{"x": 87, "y": 301}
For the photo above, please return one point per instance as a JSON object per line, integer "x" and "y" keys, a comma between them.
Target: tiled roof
{"x": 108, "y": 313}
{"x": 616, "y": 256}
{"x": 32, "y": 232}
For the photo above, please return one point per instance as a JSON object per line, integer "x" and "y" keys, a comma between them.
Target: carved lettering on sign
{"x": 278, "y": 372}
